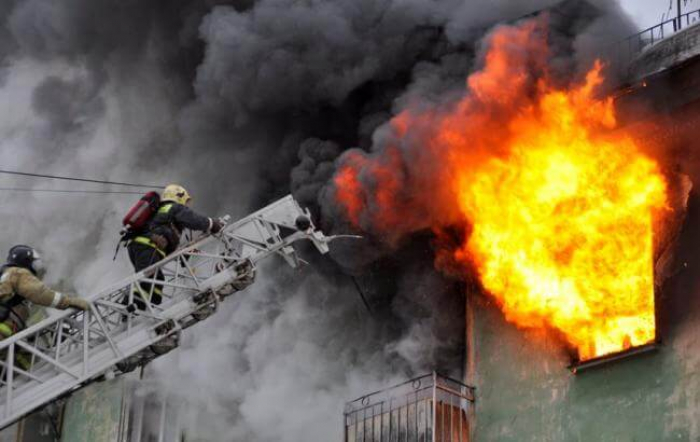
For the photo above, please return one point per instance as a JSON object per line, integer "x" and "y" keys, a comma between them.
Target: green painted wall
{"x": 95, "y": 412}
{"x": 526, "y": 393}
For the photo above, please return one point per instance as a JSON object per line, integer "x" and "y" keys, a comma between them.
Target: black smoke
{"x": 243, "y": 102}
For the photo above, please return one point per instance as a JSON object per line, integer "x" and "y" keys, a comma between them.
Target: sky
{"x": 647, "y": 13}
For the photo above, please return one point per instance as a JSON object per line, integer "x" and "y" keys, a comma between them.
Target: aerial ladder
{"x": 123, "y": 330}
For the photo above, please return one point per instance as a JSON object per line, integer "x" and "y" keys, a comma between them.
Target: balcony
{"x": 429, "y": 408}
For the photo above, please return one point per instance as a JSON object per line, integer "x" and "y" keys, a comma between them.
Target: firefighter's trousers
{"x": 143, "y": 256}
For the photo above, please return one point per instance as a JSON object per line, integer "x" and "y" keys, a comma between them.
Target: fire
{"x": 558, "y": 205}
{"x": 563, "y": 226}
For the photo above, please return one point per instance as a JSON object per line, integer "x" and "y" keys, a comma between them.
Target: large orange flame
{"x": 559, "y": 205}
{"x": 562, "y": 227}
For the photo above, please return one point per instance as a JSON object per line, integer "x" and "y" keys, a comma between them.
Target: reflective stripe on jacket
{"x": 148, "y": 242}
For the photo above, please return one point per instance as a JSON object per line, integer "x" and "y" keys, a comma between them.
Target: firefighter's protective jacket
{"x": 20, "y": 282}
{"x": 172, "y": 218}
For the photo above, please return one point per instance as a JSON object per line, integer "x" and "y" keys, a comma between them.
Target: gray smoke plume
{"x": 243, "y": 102}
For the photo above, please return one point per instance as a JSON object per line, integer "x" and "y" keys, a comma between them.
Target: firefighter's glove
{"x": 78, "y": 303}
{"x": 246, "y": 276}
{"x": 216, "y": 226}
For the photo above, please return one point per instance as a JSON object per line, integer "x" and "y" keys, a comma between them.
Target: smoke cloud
{"x": 243, "y": 102}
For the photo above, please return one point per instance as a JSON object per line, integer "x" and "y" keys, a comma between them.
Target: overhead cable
{"x": 362, "y": 294}
{"x": 85, "y": 180}
{"x": 18, "y": 189}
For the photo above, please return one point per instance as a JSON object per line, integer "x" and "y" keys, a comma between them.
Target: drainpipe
{"x": 678, "y": 7}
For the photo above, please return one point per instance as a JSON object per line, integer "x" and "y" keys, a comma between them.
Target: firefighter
{"x": 21, "y": 286}
{"x": 161, "y": 236}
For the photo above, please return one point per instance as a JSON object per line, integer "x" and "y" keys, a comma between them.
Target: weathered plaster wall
{"x": 526, "y": 393}
{"x": 96, "y": 413}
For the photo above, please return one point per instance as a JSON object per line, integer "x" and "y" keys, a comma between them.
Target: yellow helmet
{"x": 175, "y": 193}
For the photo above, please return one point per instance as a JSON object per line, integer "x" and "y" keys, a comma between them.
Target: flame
{"x": 557, "y": 203}
{"x": 562, "y": 230}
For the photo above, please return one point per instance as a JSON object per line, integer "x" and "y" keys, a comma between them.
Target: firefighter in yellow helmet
{"x": 161, "y": 235}
{"x": 21, "y": 286}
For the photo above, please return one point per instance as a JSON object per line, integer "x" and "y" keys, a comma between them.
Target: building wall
{"x": 98, "y": 412}
{"x": 526, "y": 393}
{"x": 667, "y": 53}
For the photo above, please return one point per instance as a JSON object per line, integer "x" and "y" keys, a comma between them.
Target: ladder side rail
{"x": 135, "y": 278}
{"x": 103, "y": 341}
{"x": 102, "y": 317}
{"x": 105, "y": 294}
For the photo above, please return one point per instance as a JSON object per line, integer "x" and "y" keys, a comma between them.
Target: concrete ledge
{"x": 589, "y": 364}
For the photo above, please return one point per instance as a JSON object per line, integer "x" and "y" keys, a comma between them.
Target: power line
{"x": 85, "y": 180}
{"x": 18, "y": 189}
{"x": 362, "y": 294}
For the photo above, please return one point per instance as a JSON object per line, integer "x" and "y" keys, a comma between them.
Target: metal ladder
{"x": 75, "y": 348}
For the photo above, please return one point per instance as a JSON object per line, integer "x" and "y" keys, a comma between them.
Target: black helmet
{"x": 25, "y": 257}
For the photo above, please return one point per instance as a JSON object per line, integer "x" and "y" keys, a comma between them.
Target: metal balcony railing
{"x": 429, "y": 408}
{"x": 631, "y": 46}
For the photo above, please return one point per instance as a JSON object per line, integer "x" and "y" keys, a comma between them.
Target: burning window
{"x": 558, "y": 204}
{"x": 430, "y": 408}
